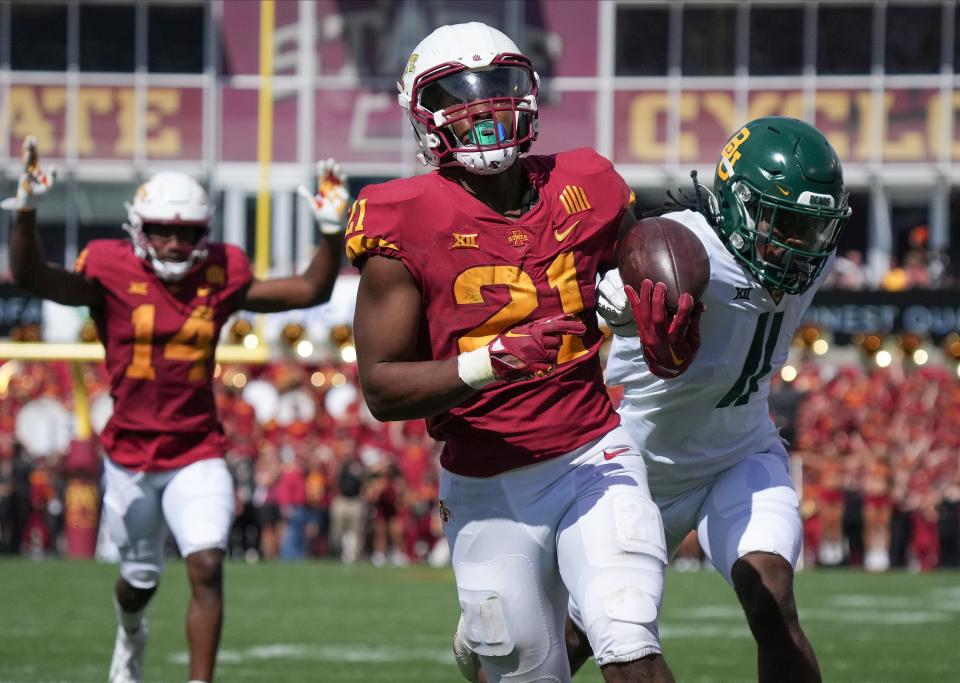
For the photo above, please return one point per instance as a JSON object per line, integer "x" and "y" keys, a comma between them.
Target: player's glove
{"x": 33, "y": 182}
{"x": 329, "y": 204}
{"x": 522, "y": 352}
{"x": 669, "y": 351}
{"x": 612, "y": 305}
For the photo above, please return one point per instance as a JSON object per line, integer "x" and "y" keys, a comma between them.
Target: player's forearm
{"x": 311, "y": 288}
{"x": 322, "y": 272}
{"x": 35, "y": 275}
{"x": 410, "y": 390}
{"x": 26, "y": 252}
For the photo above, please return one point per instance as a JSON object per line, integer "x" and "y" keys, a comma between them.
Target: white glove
{"x": 612, "y": 305}
{"x": 33, "y": 182}
{"x": 329, "y": 205}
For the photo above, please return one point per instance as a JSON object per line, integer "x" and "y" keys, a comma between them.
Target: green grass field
{"x": 330, "y": 623}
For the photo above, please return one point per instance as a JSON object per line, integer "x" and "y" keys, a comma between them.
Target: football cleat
{"x": 128, "y": 650}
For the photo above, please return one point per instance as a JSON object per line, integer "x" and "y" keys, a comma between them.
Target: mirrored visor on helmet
{"x": 465, "y": 86}
{"x": 805, "y": 232}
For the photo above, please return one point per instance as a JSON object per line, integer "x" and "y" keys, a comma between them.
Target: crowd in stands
{"x": 919, "y": 267}
{"x": 316, "y": 476}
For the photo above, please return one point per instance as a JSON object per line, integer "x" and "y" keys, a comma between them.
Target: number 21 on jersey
{"x": 193, "y": 342}
{"x": 561, "y": 276}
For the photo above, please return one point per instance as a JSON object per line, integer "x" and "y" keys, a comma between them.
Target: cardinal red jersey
{"x": 160, "y": 340}
{"x": 480, "y": 273}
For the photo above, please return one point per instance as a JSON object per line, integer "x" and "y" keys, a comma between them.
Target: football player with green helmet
{"x": 715, "y": 459}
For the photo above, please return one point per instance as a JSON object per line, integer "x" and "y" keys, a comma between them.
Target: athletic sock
{"x": 129, "y": 620}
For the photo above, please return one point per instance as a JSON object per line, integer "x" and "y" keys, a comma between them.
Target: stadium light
{"x": 304, "y": 348}
{"x": 920, "y": 357}
{"x": 820, "y": 347}
{"x": 318, "y": 379}
{"x": 348, "y": 353}
{"x": 788, "y": 373}
{"x": 883, "y": 358}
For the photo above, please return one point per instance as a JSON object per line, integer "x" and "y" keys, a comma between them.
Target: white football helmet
{"x": 475, "y": 74}
{"x": 169, "y": 199}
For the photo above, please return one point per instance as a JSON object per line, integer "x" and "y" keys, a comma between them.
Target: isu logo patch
{"x": 139, "y": 288}
{"x": 445, "y": 513}
{"x": 574, "y": 199}
{"x": 776, "y": 295}
{"x": 464, "y": 241}
{"x": 518, "y": 238}
{"x": 743, "y": 294}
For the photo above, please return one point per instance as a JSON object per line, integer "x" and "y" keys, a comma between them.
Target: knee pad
{"x": 503, "y": 607}
{"x": 485, "y": 624}
{"x": 140, "y": 574}
{"x": 621, "y": 613}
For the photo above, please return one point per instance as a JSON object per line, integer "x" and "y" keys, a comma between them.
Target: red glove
{"x": 530, "y": 350}
{"x": 668, "y": 351}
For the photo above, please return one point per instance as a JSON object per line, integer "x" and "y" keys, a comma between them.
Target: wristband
{"x": 475, "y": 368}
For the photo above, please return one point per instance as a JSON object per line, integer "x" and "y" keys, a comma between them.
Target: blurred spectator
{"x": 848, "y": 272}
{"x": 384, "y": 491}
{"x": 265, "y": 498}
{"x": 896, "y": 278}
{"x": 347, "y": 511}
{"x": 291, "y": 499}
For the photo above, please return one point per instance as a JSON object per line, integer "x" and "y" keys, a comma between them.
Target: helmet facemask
{"x": 781, "y": 201}
{"x": 170, "y": 199}
{"x": 785, "y": 244}
{"x": 168, "y": 271}
{"x": 480, "y": 119}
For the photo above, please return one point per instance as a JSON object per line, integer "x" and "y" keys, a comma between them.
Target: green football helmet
{"x": 781, "y": 201}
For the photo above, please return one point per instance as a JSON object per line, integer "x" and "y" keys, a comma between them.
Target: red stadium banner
{"x": 365, "y": 125}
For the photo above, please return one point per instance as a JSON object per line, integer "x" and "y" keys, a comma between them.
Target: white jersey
{"x": 716, "y": 413}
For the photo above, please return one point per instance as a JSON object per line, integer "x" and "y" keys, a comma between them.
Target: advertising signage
{"x": 925, "y": 313}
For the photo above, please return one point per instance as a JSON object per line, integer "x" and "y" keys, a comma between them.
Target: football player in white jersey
{"x": 715, "y": 460}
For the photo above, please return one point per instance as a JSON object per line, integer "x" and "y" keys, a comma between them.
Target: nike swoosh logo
{"x": 563, "y": 235}
{"x": 611, "y": 453}
{"x": 785, "y": 193}
{"x": 676, "y": 361}
{"x": 513, "y": 334}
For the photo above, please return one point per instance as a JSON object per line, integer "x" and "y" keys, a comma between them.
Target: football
{"x": 663, "y": 250}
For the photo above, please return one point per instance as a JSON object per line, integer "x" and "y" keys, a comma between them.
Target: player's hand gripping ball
{"x": 33, "y": 182}
{"x": 329, "y": 204}
{"x": 665, "y": 271}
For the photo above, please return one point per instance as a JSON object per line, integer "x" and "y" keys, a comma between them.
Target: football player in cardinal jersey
{"x": 476, "y": 310}
{"x": 715, "y": 460}
{"x": 159, "y": 302}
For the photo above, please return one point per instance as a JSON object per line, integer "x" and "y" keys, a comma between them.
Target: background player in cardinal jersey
{"x": 715, "y": 459}
{"x": 476, "y": 310}
{"x": 159, "y": 303}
